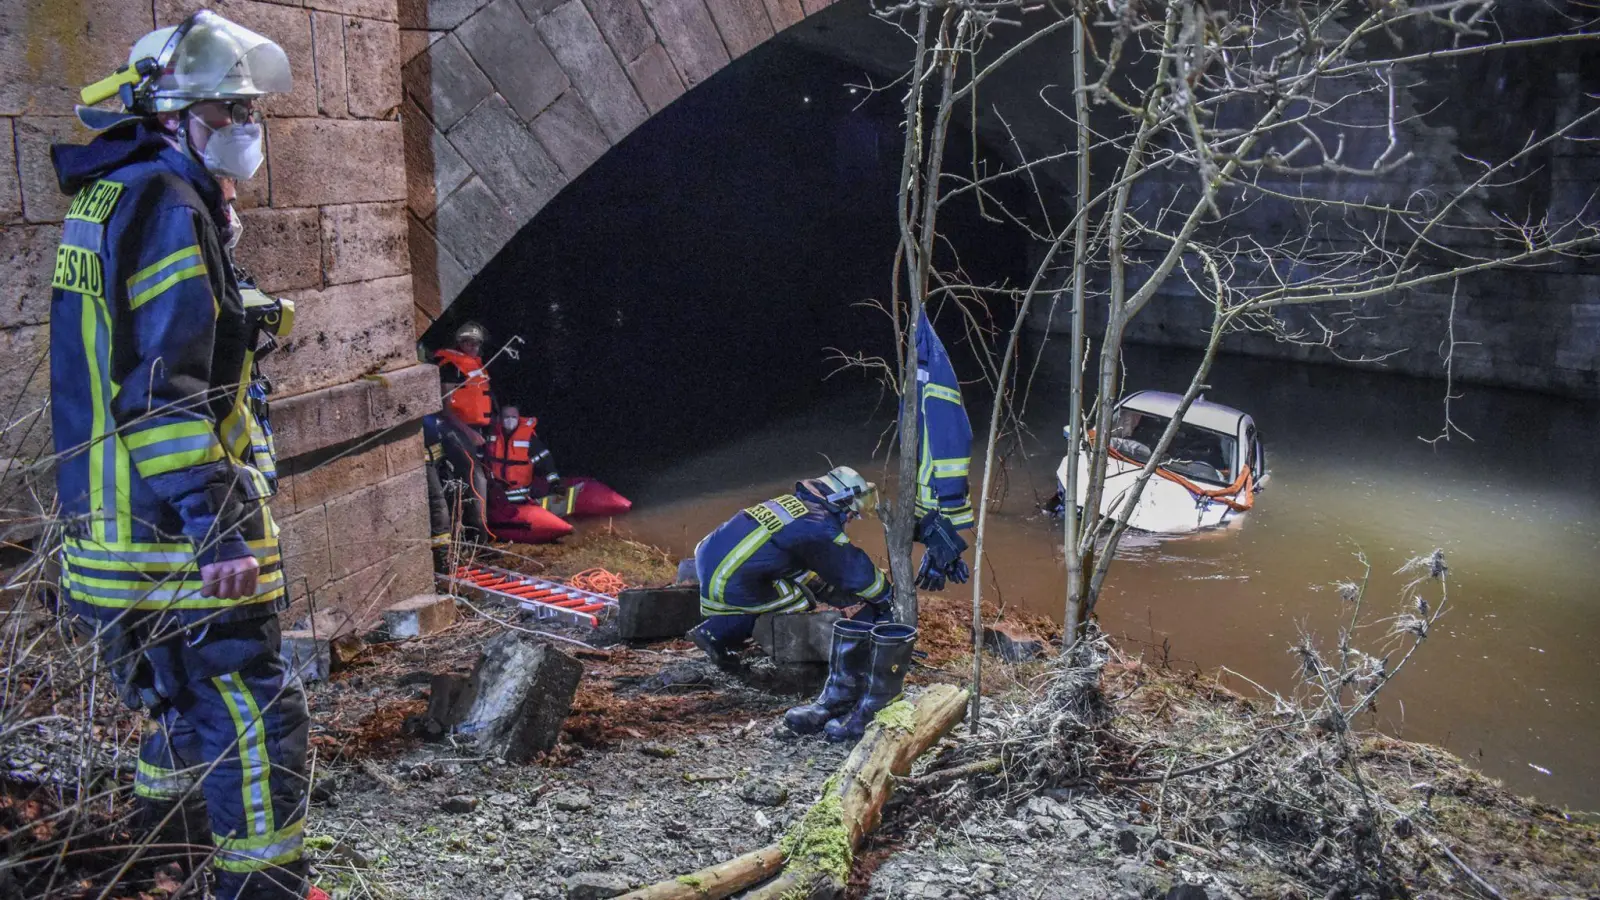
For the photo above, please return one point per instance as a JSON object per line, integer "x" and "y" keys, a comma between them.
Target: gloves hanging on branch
{"x": 942, "y": 561}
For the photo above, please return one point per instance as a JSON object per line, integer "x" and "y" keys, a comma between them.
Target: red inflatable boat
{"x": 524, "y": 523}
{"x": 585, "y": 496}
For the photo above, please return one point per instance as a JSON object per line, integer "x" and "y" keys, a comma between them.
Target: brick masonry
{"x": 326, "y": 224}
{"x": 507, "y": 101}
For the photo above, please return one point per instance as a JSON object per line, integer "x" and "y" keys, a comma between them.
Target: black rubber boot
{"x": 720, "y": 656}
{"x": 847, "y": 670}
{"x": 185, "y": 838}
{"x": 891, "y": 657}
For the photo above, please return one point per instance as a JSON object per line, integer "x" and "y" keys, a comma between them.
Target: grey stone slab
{"x": 743, "y": 24}
{"x": 433, "y": 167}
{"x": 690, "y": 36}
{"x": 570, "y": 134}
{"x": 624, "y": 24}
{"x": 472, "y": 225}
{"x": 437, "y": 15}
{"x": 508, "y": 49}
{"x": 505, "y": 156}
{"x": 656, "y": 613}
{"x": 536, "y": 9}
{"x": 576, "y": 41}
{"x": 797, "y": 637}
{"x": 445, "y": 82}
{"x": 522, "y": 693}
{"x": 655, "y": 78}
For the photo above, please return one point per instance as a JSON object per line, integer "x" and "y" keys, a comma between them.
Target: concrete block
{"x": 10, "y": 188}
{"x": 332, "y": 473}
{"x": 571, "y": 136}
{"x": 508, "y": 49}
{"x": 433, "y": 168}
{"x": 364, "y": 241}
{"x": 42, "y": 200}
{"x": 344, "y": 331}
{"x": 321, "y": 418}
{"x": 307, "y": 562}
{"x": 281, "y": 248}
{"x": 375, "y": 524}
{"x": 307, "y": 655}
{"x": 576, "y": 41}
{"x": 420, "y": 616}
{"x": 655, "y": 78}
{"x": 1013, "y": 644}
{"x": 472, "y": 225}
{"x": 321, "y": 161}
{"x": 797, "y": 637}
{"x": 690, "y": 36}
{"x": 383, "y": 10}
{"x": 523, "y": 692}
{"x": 327, "y": 35}
{"x": 372, "y": 59}
{"x": 289, "y": 26}
{"x": 784, "y": 13}
{"x": 655, "y": 613}
{"x": 445, "y": 82}
{"x": 27, "y": 258}
{"x": 743, "y": 24}
{"x": 403, "y": 396}
{"x": 624, "y": 24}
{"x": 438, "y": 15}
{"x": 52, "y": 48}
{"x": 507, "y": 160}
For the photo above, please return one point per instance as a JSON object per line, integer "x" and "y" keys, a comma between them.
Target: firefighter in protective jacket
{"x": 783, "y": 555}
{"x": 171, "y": 555}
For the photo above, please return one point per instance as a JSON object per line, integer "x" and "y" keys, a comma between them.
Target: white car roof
{"x": 1201, "y": 412}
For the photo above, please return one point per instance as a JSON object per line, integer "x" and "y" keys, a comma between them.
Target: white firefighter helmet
{"x": 847, "y": 489}
{"x": 207, "y": 57}
{"x": 472, "y": 331}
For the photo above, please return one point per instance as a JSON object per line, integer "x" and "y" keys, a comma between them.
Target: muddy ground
{"x": 666, "y": 766}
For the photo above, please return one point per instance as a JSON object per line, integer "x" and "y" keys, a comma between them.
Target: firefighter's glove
{"x": 942, "y": 561}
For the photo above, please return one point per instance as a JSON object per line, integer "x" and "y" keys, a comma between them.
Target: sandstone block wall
{"x": 325, "y": 224}
{"x": 506, "y": 101}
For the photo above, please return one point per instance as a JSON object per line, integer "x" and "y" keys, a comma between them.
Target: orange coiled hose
{"x": 598, "y": 581}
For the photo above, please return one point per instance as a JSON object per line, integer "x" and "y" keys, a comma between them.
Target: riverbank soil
{"x": 1098, "y": 776}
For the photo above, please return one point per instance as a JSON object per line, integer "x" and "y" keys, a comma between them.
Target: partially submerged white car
{"x": 1209, "y": 477}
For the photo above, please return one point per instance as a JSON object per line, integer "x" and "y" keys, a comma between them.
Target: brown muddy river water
{"x": 1510, "y": 678}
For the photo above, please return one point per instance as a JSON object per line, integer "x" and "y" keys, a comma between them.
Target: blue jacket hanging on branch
{"x": 944, "y": 456}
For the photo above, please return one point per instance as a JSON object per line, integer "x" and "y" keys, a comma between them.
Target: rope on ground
{"x": 599, "y": 581}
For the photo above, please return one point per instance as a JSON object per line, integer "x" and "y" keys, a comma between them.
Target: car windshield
{"x": 1197, "y": 453}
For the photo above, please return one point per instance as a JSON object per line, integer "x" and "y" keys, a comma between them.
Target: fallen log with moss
{"x": 816, "y": 854}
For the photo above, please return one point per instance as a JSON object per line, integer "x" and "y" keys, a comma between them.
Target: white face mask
{"x": 235, "y": 228}
{"x": 233, "y": 151}
{"x": 509, "y": 423}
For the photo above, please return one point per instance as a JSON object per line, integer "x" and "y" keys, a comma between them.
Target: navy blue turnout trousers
{"x": 230, "y": 727}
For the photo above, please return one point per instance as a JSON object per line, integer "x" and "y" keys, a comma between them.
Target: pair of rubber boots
{"x": 866, "y": 670}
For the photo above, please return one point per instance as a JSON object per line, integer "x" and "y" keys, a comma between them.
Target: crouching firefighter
{"x": 784, "y": 555}
{"x": 170, "y": 555}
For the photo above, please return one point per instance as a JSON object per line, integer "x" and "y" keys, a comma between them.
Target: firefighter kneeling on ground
{"x": 783, "y": 556}
{"x": 170, "y": 554}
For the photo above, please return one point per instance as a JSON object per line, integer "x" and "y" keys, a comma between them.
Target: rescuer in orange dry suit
{"x": 520, "y": 473}
{"x": 468, "y": 407}
{"x": 518, "y": 460}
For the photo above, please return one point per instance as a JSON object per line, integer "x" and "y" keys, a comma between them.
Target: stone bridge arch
{"x": 507, "y": 101}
